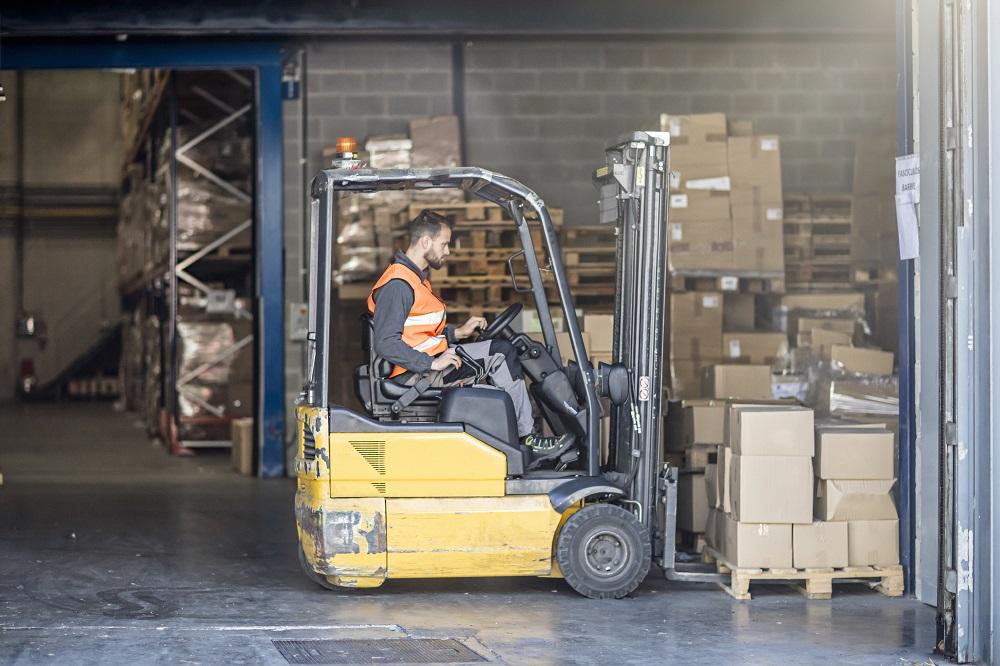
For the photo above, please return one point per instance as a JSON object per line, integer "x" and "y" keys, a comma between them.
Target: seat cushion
{"x": 393, "y": 390}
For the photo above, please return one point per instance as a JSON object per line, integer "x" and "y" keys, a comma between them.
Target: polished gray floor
{"x": 113, "y": 552}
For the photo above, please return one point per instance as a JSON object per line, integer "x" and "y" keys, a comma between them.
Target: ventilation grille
{"x": 374, "y": 454}
{"x": 379, "y": 486}
{"x": 308, "y": 443}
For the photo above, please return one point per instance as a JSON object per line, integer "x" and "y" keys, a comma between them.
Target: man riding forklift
{"x": 435, "y": 481}
{"x": 411, "y": 331}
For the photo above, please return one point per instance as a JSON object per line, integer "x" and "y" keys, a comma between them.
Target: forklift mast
{"x": 633, "y": 188}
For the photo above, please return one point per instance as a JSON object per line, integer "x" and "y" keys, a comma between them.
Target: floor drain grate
{"x": 384, "y": 651}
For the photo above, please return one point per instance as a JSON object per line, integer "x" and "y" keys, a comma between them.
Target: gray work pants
{"x": 497, "y": 356}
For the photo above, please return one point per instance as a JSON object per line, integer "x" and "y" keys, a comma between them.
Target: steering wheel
{"x": 502, "y": 321}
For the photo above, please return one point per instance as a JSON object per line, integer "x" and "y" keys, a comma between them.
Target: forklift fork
{"x": 685, "y": 572}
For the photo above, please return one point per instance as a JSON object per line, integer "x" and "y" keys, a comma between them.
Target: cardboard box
{"x": 692, "y": 502}
{"x": 712, "y": 529}
{"x": 757, "y": 545}
{"x": 694, "y": 128}
{"x": 771, "y": 430}
{"x": 872, "y": 543}
{"x": 704, "y": 245}
{"x": 759, "y": 348}
{"x": 686, "y": 378}
{"x": 698, "y": 206}
{"x": 751, "y": 382}
{"x": 696, "y": 326}
{"x": 703, "y": 422}
{"x": 699, "y": 166}
{"x": 861, "y": 360}
{"x": 601, "y": 330}
{"x": 824, "y": 302}
{"x": 842, "y": 325}
{"x": 241, "y": 453}
{"x": 763, "y": 252}
{"x": 854, "y": 453}
{"x": 435, "y": 142}
{"x": 739, "y": 311}
{"x": 699, "y": 457}
{"x": 819, "y": 545}
{"x": 821, "y": 340}
{"x": 755, "y": 166}
{"x": 854, "y": 499}
{"x": 724, "y": 465}
{"x": 771, "y": 489}
{"x": 740, "y": 128}
{"x": 712, "y": 488}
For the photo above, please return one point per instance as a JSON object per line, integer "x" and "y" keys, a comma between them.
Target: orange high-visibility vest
{"x": 424, "y": 326}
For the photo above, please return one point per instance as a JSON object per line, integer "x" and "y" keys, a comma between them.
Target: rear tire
{"x": 603, "y": 551}
{"x": 312, "y": 575}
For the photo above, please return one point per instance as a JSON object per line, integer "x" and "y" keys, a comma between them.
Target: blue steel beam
{"x": 265, "y": 59}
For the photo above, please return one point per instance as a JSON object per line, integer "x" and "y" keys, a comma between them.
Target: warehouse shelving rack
{"x": 265, "y": 60}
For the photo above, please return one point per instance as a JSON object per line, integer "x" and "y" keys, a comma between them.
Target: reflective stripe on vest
{"x": 423, "y": 329}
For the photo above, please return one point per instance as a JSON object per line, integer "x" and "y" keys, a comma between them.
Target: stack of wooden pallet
{"x": 818, "y": 240}
{"x": 589, "y": 257}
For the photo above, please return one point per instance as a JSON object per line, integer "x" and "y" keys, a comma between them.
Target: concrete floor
{"x": 113, "y": 552}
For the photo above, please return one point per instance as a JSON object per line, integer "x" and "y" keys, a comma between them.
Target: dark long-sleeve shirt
{"x": 393, "y": 302}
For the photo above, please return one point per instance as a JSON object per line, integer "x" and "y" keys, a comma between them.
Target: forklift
{"x": 433, "y": 482}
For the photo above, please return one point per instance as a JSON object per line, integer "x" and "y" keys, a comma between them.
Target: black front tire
{"x": 603, "y": 551}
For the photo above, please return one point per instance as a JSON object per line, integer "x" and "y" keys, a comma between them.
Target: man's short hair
{"x": 427, "y": 223}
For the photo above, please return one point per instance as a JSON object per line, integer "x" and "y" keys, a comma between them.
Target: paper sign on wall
{"x": 907, "y": 199}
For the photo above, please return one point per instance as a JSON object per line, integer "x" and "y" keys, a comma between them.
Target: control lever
{"x": 475, "y": 364}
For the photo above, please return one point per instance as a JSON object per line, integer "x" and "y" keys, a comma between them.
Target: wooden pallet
{"x": 750, "y": 284}
{"x": 813, "y": 583}
{"x": 811, "y": 273}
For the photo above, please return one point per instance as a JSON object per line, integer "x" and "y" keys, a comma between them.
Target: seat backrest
{"x": 378, "y": 367}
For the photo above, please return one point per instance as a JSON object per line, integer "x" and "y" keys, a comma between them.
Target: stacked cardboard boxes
{"x": 695, "y": 339}
{"x": 763, "y": 485}
{"x": 854, "y": 478}
{"x": 725, "y": 198}
{"x": 695, "y": 429}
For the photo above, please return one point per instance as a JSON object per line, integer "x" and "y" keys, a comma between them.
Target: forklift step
{"x": 813, "y": 583}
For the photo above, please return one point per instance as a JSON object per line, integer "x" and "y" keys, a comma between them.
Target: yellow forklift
{"x": 434, "y": 483}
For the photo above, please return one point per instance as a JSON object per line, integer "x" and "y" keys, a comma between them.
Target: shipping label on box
{"x": 759, "y": 348}
{"x": 771, "y": 489}
{"x": 771, "y": 430}
{"x": 757, "y": 545}
{"x": 851, "y": 499}
{"x": 819, "y": 545}
{"x": 860, "y": 360}
{"x": 692, "y": 502}
{"x": 750, "y": 382}
{"x": 872, "y": 543}
{"x": 862, "y": 453}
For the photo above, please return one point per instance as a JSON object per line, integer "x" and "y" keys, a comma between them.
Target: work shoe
{"x": 552, "y": 453}
{"x": 544, "y": 443}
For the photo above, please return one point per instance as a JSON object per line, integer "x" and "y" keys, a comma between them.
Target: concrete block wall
{"x": 543, "y": 112}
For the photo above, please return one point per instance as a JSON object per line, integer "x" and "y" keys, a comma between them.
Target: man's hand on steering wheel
{"x": 468, "y": 329}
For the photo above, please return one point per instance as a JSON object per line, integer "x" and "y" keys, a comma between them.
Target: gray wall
{"x": 72, "y": 138}
{"x": 543, "y": 111}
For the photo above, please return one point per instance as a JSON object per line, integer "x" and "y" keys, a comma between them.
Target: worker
{"x": 411, "y": 331}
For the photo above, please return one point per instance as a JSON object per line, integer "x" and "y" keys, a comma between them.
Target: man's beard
{"x": 435, "y": 262}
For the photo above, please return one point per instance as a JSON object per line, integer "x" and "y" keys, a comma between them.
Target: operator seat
{"x": 378, "y": 393}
